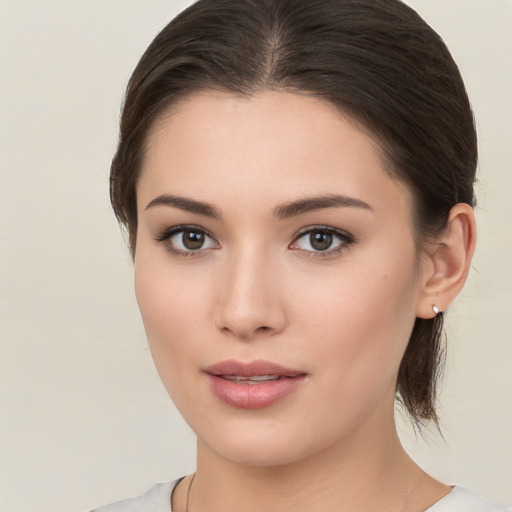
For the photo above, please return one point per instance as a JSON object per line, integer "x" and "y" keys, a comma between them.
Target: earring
{"x": 436, "y": 309}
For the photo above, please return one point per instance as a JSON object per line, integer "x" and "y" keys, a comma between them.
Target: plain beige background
{"x": 84, "y": 418}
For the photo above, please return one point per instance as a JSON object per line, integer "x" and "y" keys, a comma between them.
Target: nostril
{"x": 249, "y": 333}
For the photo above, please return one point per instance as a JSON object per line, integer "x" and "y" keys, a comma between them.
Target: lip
{"x": 242, "y": 393}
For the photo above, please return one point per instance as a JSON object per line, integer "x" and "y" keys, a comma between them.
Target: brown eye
{"x": 192, "y": 240}
{"x": 187, "y": 240}
{"x": 320, "y": 241}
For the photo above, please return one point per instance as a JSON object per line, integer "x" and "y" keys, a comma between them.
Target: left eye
{"x": 321, "y": 240}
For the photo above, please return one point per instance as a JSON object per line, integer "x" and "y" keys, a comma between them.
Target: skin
{"x": 258, "y": 289}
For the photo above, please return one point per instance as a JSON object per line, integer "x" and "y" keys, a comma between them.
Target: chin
{"x": 263, "y": 443}
{"x": 258, "y": 453}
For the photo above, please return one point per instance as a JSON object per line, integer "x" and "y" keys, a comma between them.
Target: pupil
{"x": 192, "y": 240}
{"x": 320, "y": 241}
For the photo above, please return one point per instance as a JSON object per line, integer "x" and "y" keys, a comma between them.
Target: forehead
{"x": 273, "y": 145}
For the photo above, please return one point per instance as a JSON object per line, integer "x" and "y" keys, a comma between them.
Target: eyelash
{"x": 345, "y": 239}
{"x": 165, "y": 236}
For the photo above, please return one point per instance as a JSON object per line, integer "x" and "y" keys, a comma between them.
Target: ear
{"x": 446, "y": 262}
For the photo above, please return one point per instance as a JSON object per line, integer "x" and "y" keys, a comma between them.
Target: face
{"x": 276, "y": 274}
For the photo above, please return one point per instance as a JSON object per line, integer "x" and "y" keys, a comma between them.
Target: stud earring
{"x": 436, "y": 309}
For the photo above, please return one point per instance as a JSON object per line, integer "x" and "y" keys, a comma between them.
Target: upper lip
{"x": 251, "y": 369}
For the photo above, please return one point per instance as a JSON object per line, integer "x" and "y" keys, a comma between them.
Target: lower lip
{"x": 253, "y": 396}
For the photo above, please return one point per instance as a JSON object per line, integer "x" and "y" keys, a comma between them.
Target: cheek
{"x": 170, "y": 297}
{"x": 171, "y": 308}
{"x": 361, "y": 319}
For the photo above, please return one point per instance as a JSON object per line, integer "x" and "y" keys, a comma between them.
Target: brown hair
{"x": 376, "y": 60}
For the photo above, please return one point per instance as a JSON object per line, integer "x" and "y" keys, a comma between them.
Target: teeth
{"x": 251, "y": 379}
{"x": 263, "y": 377}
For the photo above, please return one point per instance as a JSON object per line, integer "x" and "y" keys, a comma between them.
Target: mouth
{"x": 255, "y": 379}
{"x": 252, "y": 385}
{"x": 257, "y": 370}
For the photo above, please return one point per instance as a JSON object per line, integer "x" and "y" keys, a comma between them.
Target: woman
{"x": 296, "y": 179}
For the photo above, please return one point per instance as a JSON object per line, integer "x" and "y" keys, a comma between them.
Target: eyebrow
{"x": 189, "y": 205}
{"x": 284, "y": 211}
{"x": 310, "y": 204}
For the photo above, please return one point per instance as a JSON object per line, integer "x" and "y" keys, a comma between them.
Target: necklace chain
{"x": 404, "y": 504}
{"x": 188, "y": 492}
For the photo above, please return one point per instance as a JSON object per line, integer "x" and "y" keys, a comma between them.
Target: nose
{"x": 250, "y": 300}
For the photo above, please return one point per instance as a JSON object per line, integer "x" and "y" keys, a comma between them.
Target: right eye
{"x": 187, "y": 240}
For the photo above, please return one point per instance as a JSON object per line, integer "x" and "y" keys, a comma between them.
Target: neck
{"x": 364, "y": 472}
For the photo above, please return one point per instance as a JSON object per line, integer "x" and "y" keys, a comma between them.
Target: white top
{"x": 158, "y": 499}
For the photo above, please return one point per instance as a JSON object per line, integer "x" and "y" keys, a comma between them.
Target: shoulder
{"x": 156, "y": 499}
{"x": 464, "y": 500}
